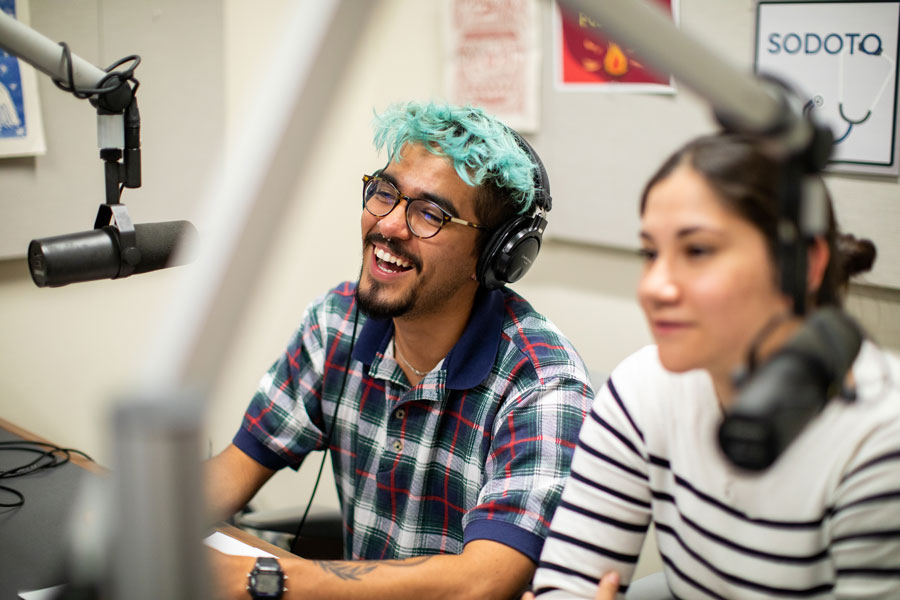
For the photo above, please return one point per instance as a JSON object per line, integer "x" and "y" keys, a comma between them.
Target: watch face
{"x": 268, "y": 584}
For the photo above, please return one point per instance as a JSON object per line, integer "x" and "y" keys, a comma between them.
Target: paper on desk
{"x": 45, "y": 594}
{"x": 229, "y": 545}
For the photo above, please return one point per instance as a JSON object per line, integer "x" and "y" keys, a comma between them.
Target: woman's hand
{"x": 607, "y": 590}
{"x": 609, "y": 587}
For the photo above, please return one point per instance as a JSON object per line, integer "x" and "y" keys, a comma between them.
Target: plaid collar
{"x": 470, "y": 360}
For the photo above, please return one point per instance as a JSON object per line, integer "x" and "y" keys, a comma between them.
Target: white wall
{"x": 67, "y": 351}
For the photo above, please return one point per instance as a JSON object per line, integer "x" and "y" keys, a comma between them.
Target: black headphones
{"x": 513, "y": 247}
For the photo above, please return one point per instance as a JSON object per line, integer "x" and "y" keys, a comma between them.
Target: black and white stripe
{"x": 822, "y": 522}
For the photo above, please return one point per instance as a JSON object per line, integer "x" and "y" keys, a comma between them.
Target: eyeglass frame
{"x": 446, "y": 216}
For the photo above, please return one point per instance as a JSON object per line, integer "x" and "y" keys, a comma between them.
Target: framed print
{"x": 21, "y": 128}
{"x": 492, "y": 58}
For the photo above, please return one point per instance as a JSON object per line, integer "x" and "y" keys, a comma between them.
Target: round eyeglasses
{"x": 423, "y": 217}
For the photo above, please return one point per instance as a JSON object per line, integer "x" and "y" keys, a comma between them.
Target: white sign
{"x": 842, "y": 57}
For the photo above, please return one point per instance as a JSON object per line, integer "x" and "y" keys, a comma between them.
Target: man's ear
{"x": 818, "y": 256}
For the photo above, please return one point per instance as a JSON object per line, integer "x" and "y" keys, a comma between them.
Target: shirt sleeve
{"x": 529, "y": 457}
{"x": 864, "y": 523}
{"x": 283, "y": 422}
{"x": 605, "y": 508}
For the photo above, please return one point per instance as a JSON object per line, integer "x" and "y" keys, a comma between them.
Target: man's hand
{"x": 607, "y": 590}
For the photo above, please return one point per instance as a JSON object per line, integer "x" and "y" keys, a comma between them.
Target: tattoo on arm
{"x": 347, "y": 571}
{"x": 354, "y": 571}
{"x": 406, "y": 562}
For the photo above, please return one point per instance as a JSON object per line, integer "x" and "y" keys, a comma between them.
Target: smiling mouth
{"x": 666, "y": 326}
{"x": 389, "y": 263}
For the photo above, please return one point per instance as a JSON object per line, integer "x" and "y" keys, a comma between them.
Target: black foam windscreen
{"x": 776, "y": 401}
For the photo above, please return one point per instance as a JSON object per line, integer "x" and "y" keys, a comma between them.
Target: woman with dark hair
{"x": 824, "y": 520}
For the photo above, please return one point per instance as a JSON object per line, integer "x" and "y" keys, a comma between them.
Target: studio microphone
{"x": 97, "y": 254}
{"x": 775, "y": 402}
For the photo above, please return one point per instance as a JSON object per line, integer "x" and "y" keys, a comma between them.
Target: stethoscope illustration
{"x": 817, "y": 101}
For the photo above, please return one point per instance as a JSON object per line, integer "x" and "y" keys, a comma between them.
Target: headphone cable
{"x": 330, "y": 429}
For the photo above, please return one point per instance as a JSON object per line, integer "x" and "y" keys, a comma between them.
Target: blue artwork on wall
{"x": 12, "y": 105}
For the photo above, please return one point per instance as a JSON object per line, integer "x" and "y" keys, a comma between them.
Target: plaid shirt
{"x": 479, "y": 449}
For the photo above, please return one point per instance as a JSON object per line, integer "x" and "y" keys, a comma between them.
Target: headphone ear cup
{"x": 510, "y": 252}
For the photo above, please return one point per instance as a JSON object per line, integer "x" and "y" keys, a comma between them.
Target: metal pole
{"x": 160, "y": 491}
{"x": 158, "y": 506}
{"x": 251, "y": 189}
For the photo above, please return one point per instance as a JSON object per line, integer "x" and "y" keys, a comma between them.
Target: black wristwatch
{"x": 266, "y": 580}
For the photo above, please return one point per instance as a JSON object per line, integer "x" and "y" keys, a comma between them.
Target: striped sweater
{"x": 822, "y": 522}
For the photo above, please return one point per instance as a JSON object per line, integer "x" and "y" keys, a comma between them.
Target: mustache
{"x": 393, "y": 247}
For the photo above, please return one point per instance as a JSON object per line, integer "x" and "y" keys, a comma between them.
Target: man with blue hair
{"x": 450, "y": 406}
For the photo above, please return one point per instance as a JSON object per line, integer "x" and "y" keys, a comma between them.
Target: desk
{"x": 33, "y": 546}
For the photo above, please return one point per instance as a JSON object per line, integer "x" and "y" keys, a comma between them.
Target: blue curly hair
{"x": 483, "y": 150}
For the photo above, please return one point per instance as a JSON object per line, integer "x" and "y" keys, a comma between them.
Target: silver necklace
{"x": 406, "y": 362}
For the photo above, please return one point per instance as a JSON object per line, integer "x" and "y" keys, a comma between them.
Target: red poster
{"x": 586, "y": 59}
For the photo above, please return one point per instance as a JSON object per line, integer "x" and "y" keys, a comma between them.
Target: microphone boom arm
{"x": 742, "y": 103}
{"x": 776, "y": 401}
{"x": 46, "y": 55}
{"x": 739, "y": 97}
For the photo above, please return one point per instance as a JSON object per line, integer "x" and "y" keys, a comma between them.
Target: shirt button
{"x": 397, "y": 445}
{"x": 400, "y": 413}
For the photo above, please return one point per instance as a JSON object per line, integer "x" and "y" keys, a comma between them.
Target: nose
{"x": 658, "y": 284}
{"x": 393, "y": 225}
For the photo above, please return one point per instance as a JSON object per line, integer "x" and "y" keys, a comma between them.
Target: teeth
{"x": 388, "y": 257}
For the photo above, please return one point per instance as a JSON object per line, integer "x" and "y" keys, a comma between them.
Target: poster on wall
{"x": 21, "y": 129}
{"x": 492, "y": 58}
{"x": 842, "y": 58}
{"x": 587, "y": 61}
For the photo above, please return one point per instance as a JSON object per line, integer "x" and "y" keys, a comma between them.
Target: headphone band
{"x": 542, "y": 198}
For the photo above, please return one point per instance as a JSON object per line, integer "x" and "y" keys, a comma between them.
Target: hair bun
{"x": 856, "y": 255}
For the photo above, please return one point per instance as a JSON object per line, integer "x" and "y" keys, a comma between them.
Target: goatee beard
{"x": 368, "y": 301}
{"x": 375, "y": 308}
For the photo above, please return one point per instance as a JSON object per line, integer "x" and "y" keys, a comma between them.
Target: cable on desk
{"x": 17, "y": 493}
{"x": 49, "y": 456}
